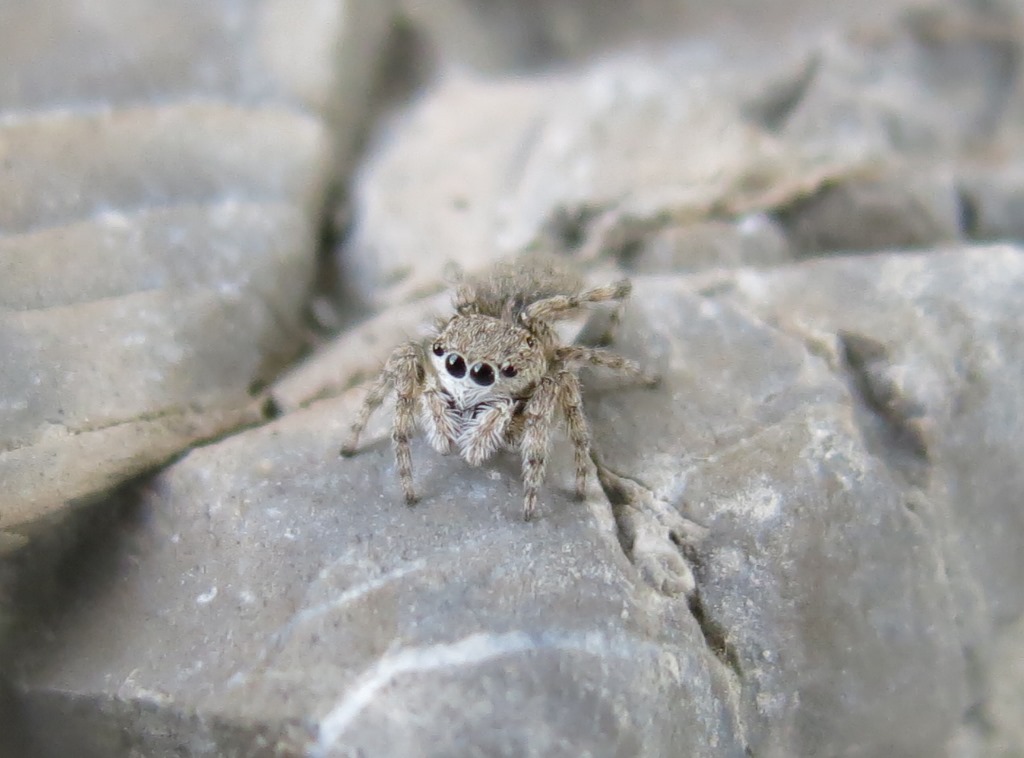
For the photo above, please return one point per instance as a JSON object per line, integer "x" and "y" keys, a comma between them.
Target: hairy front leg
{"x": 409, "y": 375}
{"x": 403, "y": 371}
{"x": 534, "y": 446}
{"x": 378, "y": 390}
{"x": 486, "y": 431}
{"x": 405, "y": 424}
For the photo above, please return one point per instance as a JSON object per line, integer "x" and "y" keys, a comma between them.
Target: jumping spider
{"x": 496, "y": 373}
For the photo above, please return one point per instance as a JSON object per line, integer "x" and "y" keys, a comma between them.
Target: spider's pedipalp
{"x": 439, "y": 419}
{"x": 486, "y": 432}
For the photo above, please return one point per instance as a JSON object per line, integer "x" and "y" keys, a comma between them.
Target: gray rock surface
{"x": 163, "y": 170}
{"x": 272, "y": 594}
{"x": 805, "y": 541}
{"x": 931, "y": 342}
{"x": 627, "y": 143}
{"x": 902, "y": 210}
{"x": 595, "y": 161}
{"x": 290, "y": 600}
{"x": 910, "y": 334}
{"x": 928, "y": 80}
{"x": 994, "y": 727}
{"x": 498, "y": 37}
{"x": 994, "y": 201}
{"x": 754, "y": 240}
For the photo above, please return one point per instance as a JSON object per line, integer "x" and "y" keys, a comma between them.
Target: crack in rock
{"x": 866, "y": 362}
{"x": 662, "y": 544}
{"x": 715, "y": 635}
{"x": 175, "y": 413}
{"x": 652, "y": 534}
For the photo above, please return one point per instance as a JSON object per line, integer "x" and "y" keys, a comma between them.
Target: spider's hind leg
{"x": 602, "y": 327}
{"x": 576, "y": 355}
{"x": 562, "y": 306}
{"x": 465, "y": 296}
{"x": 570, "y": 398}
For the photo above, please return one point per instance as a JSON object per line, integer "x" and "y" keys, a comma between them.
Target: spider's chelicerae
{"x": 495, "y": 376}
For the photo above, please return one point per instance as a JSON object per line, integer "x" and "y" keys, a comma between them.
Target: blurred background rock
{"x": 217, "y": 218}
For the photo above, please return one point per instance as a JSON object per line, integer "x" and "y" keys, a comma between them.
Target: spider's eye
{"x": 531, "y": 342}
{"x": 508, "y": 370}
{"x": 482, "y": 374}
{"x": 455, "y": 365}
{"x": 438, "y": 350}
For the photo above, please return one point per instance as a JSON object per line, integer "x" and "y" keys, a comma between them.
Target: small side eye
{"x": 438, "y": 350}
{"x": 531, "y": 342}
{"x": 508, "y": 370}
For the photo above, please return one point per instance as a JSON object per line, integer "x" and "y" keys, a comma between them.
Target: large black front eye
{"x": 482, "y": 374}
{"x": 438, "y": 350}
{"x": 455, "y": 365}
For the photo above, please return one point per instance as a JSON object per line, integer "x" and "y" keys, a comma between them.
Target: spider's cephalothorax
{"x": 495, "y": 376}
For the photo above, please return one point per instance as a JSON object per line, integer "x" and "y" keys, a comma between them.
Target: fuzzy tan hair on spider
{"x": 496, "y": 376}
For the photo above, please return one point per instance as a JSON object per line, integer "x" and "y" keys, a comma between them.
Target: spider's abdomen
{"x": 511, "y": 286}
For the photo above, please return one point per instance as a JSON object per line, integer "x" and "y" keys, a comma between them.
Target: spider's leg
{"x": 570, "y": 399}
{"x": 611, "y": 327}
{"x": 408, "y": 380}
{"x": 404, "y": 372}
{"x": 465, "y": 297}
{"x": 537, "y": 422}
{"x": 576, "y": 355}
{"x": 562, "y": 306}
{"x": 378, "y": 390}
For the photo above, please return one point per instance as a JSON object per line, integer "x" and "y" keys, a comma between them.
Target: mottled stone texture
{"x": 288, "y": 595}
{"x": 162, "y": 168}
{"x": 807, "y": 540}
